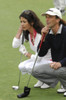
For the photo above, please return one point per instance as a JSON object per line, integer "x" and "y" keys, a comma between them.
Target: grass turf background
{"x": 10, "y": 58}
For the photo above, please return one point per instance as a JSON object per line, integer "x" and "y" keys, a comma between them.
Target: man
{"x": 55, "y": 39}
{"x": 60, "y": 4}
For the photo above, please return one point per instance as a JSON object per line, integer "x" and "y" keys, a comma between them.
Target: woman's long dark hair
{"x": 31, "y": 18}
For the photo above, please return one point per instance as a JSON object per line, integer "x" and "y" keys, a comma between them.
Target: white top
{"x": 17, "y": 42}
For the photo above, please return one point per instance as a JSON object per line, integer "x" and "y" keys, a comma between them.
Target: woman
{"x": 31, "y": 28}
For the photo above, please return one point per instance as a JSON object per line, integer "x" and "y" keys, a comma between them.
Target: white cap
{"x": 53, "y": 12}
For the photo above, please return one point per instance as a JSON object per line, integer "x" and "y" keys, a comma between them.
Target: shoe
{"x": 38, "y": 84}
{"x": 65, "y": 94}
{"x": 61, "y": 90}
{"x": 45, "y": 86}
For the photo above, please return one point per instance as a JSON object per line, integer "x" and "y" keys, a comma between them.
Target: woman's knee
{"x": 20, "y": 66}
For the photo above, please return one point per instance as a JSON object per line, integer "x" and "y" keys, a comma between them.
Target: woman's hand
{"x": 20, "y": 29}
{"x": 23, "y": 50}
{"x": 19, "y": 32}
{"x": 55, "y": 65}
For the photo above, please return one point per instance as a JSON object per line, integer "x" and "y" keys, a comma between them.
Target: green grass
{"x": 10, "y": 58}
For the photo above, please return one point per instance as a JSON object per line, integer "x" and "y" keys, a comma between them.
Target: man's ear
{"x": 58, "y": 20}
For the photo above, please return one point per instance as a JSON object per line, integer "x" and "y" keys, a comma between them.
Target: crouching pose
{"x": 55, "y": 39}
{"x": 31, "y": 29}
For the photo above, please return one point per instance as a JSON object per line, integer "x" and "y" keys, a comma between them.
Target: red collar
{"x": 34, "y": 34}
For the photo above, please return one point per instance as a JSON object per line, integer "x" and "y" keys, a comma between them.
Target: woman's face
{"x": 25, "y": 24}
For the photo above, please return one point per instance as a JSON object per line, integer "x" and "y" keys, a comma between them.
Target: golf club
{"x": 26, "y": 88}
{"x": 17, "y": 87}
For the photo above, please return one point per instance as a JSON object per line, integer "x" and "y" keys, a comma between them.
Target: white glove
{"x": 23, "y": 50}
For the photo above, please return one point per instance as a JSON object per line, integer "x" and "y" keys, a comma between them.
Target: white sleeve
{"x": 16, "y": 42}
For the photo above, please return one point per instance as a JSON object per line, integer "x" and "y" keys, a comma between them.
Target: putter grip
{"x": 43, "y": 36}
{"x": 23, "y": 39}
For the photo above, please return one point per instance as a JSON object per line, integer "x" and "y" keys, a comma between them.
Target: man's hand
{"x": 45, "y": 30}
{"x": 55, "y": 65}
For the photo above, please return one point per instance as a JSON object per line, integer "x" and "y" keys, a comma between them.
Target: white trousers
{"x": 27, "y": 66}
{"x": 60, "y": 4}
